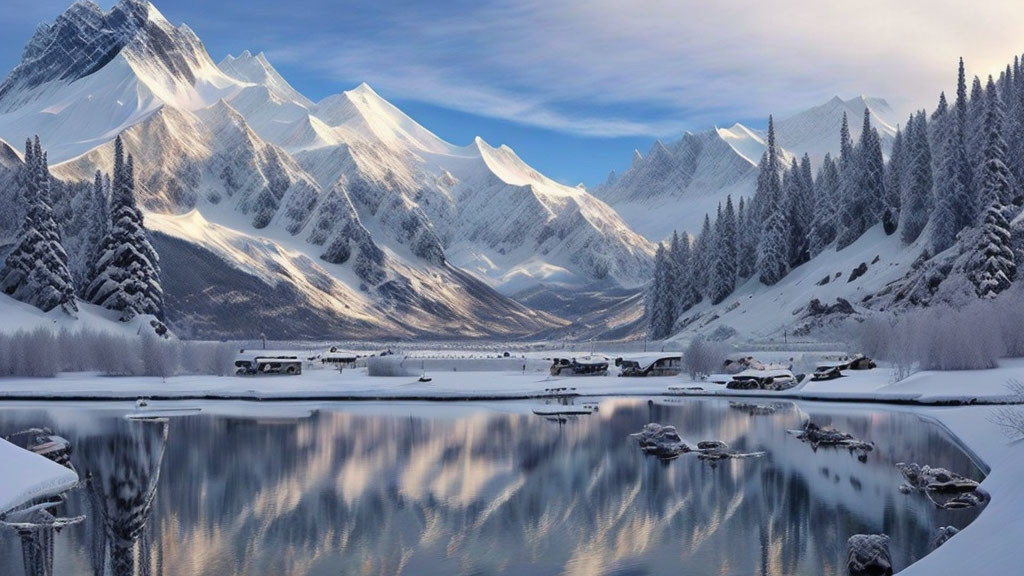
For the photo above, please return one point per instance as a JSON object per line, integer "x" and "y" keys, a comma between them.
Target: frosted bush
{"x": 703, "y": 357}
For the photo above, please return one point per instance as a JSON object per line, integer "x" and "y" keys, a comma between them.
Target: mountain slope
{"x": 361, "y": 255}
{"x": 482, "y": 207}
{"x": 699, "y": 171}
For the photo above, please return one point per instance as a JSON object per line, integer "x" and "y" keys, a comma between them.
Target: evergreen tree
{"x": 852, "y": 206}
{"x": 687, "y": 293}
{"x": 702, "y": 259}
{"x": 950, "y": 194}
{"x": 872, "y": 173}
{"x": 746, "y": 242}
{"x": 126, "y": 277}
{"x": 661, "y": 308}
{"x": 773, "y": 246}
{"x": 36, "y": 271}
{"x": 845, "y": 142}
{"x": 98, "y": 225}
{"x": 993, "y": 263}
{"x": 826, "y": 199}
{"x": 798, "y": 200}
{"x": 917, "y": 186}
{"x": 895, "y": 176}
{"x": 725, "y": 253}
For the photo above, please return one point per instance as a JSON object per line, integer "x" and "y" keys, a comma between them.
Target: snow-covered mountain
{"x": 346, "y": 205}
{"x": 697, "y": 172}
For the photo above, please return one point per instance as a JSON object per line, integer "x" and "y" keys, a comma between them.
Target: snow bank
{"x": 27, "y": 476}
{"x": 990, "y": 544}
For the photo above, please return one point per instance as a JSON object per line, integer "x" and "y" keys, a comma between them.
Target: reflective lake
{"x": 447, "y": 489}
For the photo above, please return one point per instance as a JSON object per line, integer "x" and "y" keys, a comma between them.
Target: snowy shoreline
{"x": 873, "y": 386}
{"x": 937, "y": 397}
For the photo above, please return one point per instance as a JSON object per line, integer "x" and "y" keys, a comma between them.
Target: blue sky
{"x": 575, "y": 85}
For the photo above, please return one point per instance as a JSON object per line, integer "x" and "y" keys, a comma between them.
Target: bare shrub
{"x": 702, "y": 357}
{"x": 1011, "y": 418}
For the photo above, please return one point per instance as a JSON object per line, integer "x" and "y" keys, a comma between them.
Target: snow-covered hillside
{"x": 770, "y": 313}
{"x": 385, "y": 217}
{"x": 694, "y": 174}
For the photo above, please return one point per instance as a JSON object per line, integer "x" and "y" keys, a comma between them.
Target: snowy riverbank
{"x": 28, "y": 476}
{"x": 983, "y": 547}
{"x": 965, "y": 387}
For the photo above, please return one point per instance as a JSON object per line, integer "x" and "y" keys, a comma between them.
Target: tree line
{"x": 956, "y": 174}
{"x": 121, "y": 270}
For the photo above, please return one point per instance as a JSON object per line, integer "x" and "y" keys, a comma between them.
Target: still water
{"x": 476, "y": 489}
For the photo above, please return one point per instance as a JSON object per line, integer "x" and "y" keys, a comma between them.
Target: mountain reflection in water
{"x": 444, "y": 489}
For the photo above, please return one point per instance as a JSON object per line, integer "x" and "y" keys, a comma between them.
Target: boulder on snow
{"x": 868, "y": 555}
{"x": 858, "y": 272}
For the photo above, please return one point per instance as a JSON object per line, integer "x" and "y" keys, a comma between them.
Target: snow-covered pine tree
{"x": 895, "y": 176}
{"x": 872, "y": 173}
{"x": 126, "y": 277}
{"x": 996, "y": 148}
{"x": 724, "y": 272}
{"x": 703, "y": 259}
{"x": 36, "y": 271}
{"x": 773, "y": 245}
{"x": 798, "y": 201}
{"x": 100, "y": 224}
{"x": 682, "y": 255}
{"x": 845, "y": 141}
{"x": 949, "y": 194}
{"x": 851, "y": 203}
{"x": 660, "y": 305}
{"x": 826, "y": 198}
{"x": 1014, "y": 131}
{"x": 674, "y": 250}
{"x": 993, "y": 263}
{"x": 916, "y": 190}
{"x": 938, "y": 132}
{"x": 746, "y": 242}
{"x": 975, "y": 139}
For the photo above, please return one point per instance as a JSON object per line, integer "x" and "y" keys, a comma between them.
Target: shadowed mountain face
{"x": 464, "y": 489}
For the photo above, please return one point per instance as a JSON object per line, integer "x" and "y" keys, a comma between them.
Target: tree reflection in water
{"x": 447, "y": 489}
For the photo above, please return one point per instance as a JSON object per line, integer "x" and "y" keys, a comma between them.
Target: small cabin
{"x": 665, "y": 365}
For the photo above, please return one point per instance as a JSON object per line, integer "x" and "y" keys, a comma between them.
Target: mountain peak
{"x": 84, "y": 39}
{"x": 257, "y": 70}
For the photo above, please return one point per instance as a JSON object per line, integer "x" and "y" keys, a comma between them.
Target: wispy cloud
{"x": 627, "y": 68}
{"x": 655, "y": 67}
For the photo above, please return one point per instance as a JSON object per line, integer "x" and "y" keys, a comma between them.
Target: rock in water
{"x": 661, "y": 441}
{"x": 869, "y": 555}
{"x": 947, "y": 490}
{"x": 945, "y": 533}
{"x": 817, "y": 436}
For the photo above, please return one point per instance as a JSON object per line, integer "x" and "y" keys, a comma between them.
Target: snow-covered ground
{"x": 27, "y": 476}
{"x": 929, "y": 388}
